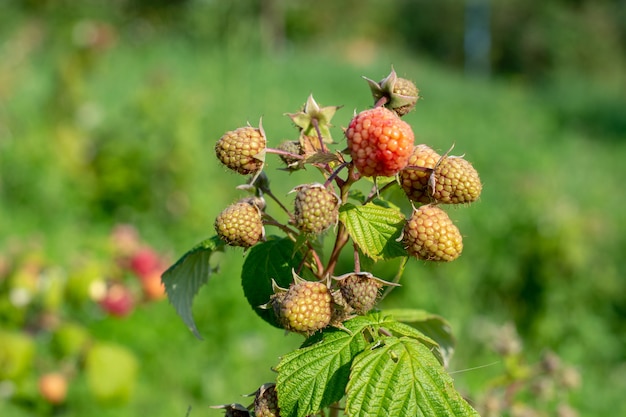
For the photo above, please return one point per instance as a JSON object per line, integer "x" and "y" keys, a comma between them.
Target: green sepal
{"x": 312, "y": 111}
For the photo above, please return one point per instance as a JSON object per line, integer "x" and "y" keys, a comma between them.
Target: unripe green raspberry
{"x": 414, "y": 181}
{"x": 242, "y": 150}
{"x": 360, "y": 291}
{"x": 430, "y": 235}
{"x": 293, "y": 147}
{"x": 305, "y": 308}
{"x": 455, "y": 182}
{"x": 240, "y": 224}
{"x": 266, "y": 401}
{"x": 316, "y": 208}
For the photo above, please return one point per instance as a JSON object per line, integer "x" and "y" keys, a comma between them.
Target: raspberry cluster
{"x": 378, "y": 143}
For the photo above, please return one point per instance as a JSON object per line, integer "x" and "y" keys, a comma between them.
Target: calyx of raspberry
{"x": 311, "y": 116}
{"x": 401, "y": 94}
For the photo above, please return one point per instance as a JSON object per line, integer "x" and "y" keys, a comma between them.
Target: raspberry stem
{"x": 270, "y": 221}
{"x": 318, "y": 261}
{"x": 316, "y": 125}
{"x": 334, "y": 174}
{"x": 381, "y": 101}
{"x": 284, "y": 153}
{"x": 357, "y": 260}
{"x": 280, "y": 204}
{"x": 342, "y": 233}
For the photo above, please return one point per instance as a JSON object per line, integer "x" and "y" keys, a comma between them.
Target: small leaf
{"x": 400, "y": 377}
{"x": 375, "y": 229}
{"x": 322, "y": 158}
{"x": 184, "y": 279}
{"x": 273, "y": 259}
{"x": 435, "y": 327}
{"x": 316, "y": 375}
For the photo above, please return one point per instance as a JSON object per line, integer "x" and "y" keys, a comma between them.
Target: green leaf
{"x": 316, "y": 375}
{"x": 184, "y": 279}
{"x": 400, "y": 377}
{"x": 322, "y": 158}
{"x": 435, "y": 327}
{"x": 375, "y": 229}
{"x": 273, "y": 259}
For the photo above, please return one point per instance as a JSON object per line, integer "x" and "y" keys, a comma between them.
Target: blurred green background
{"x": 109, "y": 112}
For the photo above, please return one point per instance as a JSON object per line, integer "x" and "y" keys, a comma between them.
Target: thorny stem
{"x": 342, "y": 233}
{"x": 280, "y": 204}
{"x": 340, "y": 242}
{"x": 357, "y": 260}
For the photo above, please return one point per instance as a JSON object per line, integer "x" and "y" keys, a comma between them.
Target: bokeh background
{"x": 109, "y": 112}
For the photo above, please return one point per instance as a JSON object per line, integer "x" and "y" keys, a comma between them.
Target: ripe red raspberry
{"x": 240, "y": 224}
{"x": 266, "y": 401}
{"x": 379, "y": 142}
{"x": 242, "y": 150}
{"x": 316, "y": 208}
{"x": 360, "y": 291}
{"x": 415, "y": 182}
{"x": 456, "y": 181}
{"x": 430, "y": 235}
{"x": 305, "y": 308}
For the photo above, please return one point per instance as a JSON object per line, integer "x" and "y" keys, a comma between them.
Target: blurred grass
{"x": 91, "y": 139}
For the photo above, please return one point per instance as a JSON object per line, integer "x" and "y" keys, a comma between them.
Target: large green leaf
{"x": 400, "y": 377}
{"x": 432, "y": 325}
{"x": 184, "y": 279}
{"x": 273, "y": 259}
{"x": 375, "y": 229}
{"x": 316, "y": 375}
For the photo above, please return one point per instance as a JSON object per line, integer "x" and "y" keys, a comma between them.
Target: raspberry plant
{"x": 355, "y": 359}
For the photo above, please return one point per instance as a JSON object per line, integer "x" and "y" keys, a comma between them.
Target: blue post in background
{"x": 477, "y": 38}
